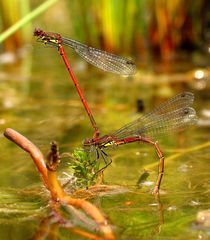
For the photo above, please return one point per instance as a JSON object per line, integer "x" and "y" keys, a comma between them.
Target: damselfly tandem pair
{"x": 172, "y": 115}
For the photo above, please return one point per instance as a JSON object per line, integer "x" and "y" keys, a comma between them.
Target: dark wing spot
{"x": 186, "y": 111}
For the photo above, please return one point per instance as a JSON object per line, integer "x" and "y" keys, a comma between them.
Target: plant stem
{"x": 29, "y": 147}
{"x": 26, "y": 19}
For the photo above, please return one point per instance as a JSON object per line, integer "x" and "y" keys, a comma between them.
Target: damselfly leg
{"x": 171, "y": 116}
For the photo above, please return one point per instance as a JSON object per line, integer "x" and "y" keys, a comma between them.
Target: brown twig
{"x": 50, "y": 180}
{"x": 29, "y": 147}
{"x": 85, "y": 234}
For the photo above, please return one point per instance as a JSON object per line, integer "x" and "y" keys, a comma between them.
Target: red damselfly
{"x": 172, "y": 115}
{"x": 101, "y": 59}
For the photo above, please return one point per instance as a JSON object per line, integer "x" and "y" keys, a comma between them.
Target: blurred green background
{"x": 157, "y": 27}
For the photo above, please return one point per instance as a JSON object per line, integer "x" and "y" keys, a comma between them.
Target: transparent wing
{"x": 101, "y": 59}
{"x": 172, "y": 115}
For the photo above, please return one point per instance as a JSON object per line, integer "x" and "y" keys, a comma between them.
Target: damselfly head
{"x": 88, "y": 142}
{"x": 38, "y": 32}
{"x": 48, "y": 37}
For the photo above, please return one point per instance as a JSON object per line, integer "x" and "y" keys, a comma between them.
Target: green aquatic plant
{"x": 85, "y": 168}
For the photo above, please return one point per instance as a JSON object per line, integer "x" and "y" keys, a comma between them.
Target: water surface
{"x": 39, "y": 101}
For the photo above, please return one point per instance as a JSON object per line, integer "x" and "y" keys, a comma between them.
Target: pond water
{"x": 39, "y": 100}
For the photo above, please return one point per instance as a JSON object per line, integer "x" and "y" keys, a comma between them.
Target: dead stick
{"x": 51, "y": 183}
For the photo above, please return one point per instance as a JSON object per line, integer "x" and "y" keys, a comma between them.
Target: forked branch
{"x": 49, "y": 178}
